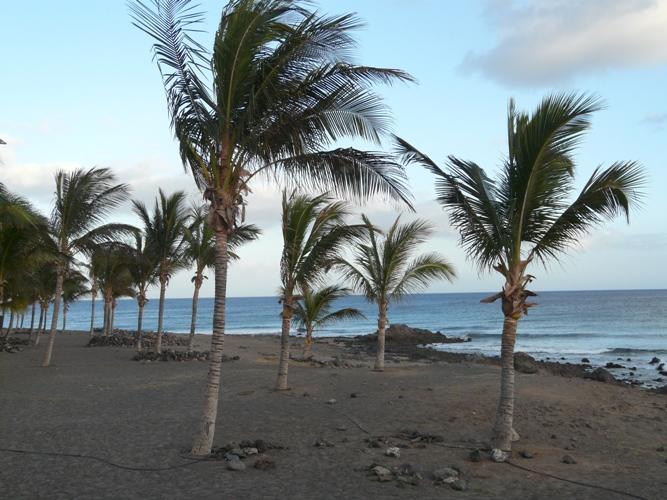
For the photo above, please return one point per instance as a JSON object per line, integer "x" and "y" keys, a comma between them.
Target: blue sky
{"x": 78, "y": 88}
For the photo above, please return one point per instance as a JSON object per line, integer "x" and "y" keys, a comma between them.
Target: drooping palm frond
{"x": 316, "y": 308}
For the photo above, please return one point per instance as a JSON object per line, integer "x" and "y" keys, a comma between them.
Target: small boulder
{"x": 235, "y": 465}
{"x": 250, "y": 450}
{"x": 475, "y": 456}
{"x": 526, "y": 454}
{"x": 393, "y": 451}
{"x": 601, "y": 375}
{"x": 382, "y": 473}
{"x": 459, "y": 485}
{"x": 499, "y": 456}
{"x": 613, "y": 365}
{"x": 525, "y": 363}
{"x": 654, "y": 361}
{"x": 585, "y": 360}
{"x": 569, "y": 459}
{"x": 332, "y": 401}
{"x": 446, "y": 475}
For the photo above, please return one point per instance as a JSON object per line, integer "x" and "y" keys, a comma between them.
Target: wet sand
{"x": 96, "y": 401}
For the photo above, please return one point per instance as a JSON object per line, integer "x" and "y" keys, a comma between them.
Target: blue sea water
{"x": 600, "y": 325}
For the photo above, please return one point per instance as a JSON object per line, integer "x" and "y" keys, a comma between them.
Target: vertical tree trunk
{"x": 113, "y": 316}
{"x": 505, "y": 415}
{"x": 22, "y": 320}
{"x": 308, "y": 342}
{"x": 8, "y": 332}
{"x": 283, "y": 366}
{"x": 105, "y": 321}
{"x": 32, "y": 321}
{"x": 39, "y": 324}
{"x": 54, "y": 318}
{"x": 92, "y": 314}
{"x": 163, "y": 289}
{"x": 195, "y": 301}
{"x": 140, "y": 320}
{"x": 65, "y": 308}
{"x": 382, "y": 324}
{"x": 204, "y": 440}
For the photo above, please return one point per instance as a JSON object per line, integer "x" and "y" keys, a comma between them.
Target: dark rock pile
{"x": 172, "y": 355}
{"x": 12, "y": 344}
{"x": 126, "y": 338}
{"x": 401, "y": 334}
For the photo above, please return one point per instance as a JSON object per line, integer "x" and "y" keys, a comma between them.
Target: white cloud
{"x": 542, "y": 42}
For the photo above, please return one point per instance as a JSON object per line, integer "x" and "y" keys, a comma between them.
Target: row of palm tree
{"x": 279, "y": 88}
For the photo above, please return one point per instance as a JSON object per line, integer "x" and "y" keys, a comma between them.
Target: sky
{"x": 78, "y": 88}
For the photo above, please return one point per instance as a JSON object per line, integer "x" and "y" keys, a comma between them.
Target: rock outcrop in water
{"x": 401, "y": 334}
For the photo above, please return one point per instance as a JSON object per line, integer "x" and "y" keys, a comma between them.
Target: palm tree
{"x": 83, "y": 199}
{"x": 525, "y": 215}
{"x": 142, "y": 265}
{"x": 110, "y": 263}
{"x": 384, "y": 269}
{"x": 94, "y": 287}
{"x": 164, "y": 238}
{"x": 74, "y": 287}
{"x": 282, "y": 90}
{"x": 314, "y": 310}
{"x": 314, "y": 234}
{"x": 200, "y": 251}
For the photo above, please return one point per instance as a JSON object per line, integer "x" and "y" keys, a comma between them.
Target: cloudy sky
{"x": 78, "y": 89}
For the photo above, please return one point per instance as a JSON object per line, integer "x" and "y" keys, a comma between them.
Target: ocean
{"x": 603, "y": 326}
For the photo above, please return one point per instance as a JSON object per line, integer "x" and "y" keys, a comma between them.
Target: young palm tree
{"x": 74, "y": 287}
{"x": 164, "y": 241}
{"x": 83, "y": 199}
{"x": 110, "y": 263}
{"x": 525, "y": 215}
{"x": 200, "y": 252}
{"x": 282, "y": 90}
{"x": 384, "y": 269}
{"x": 142, "y": 265}
{"x": 314, "y": 234}
{"x": 314, "y": 310}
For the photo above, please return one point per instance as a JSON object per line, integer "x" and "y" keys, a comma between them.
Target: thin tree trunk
{"x": 505, "y": 415}
{"x": 60, "y": 276}
{"x": 8, "y": 332}
{"x": 39, "y": 325}
{"x": 283, "y": 366}
{"x": 382, "y": 324}
{"x": 22, "y": 320}
{"x": 140, "y": 320}
{"x": 65, "y": 308}
{"x": 32, "y": 321}
{"x": 92, "y": 314}
{"x": 113, "y": 315}
{"x": 158, "y": 341}
{"x": 105, "y": 311}
{"x": 308, "y": 342}
{"x": 193, "y": 321}
{"x": 204, "y": 440}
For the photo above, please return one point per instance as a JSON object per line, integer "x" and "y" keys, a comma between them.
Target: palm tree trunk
{"x": 39, "y": 324}
{"x": 158, "y": 341}
{"x": 505, "y": 414}
{"x": 22, "y": 320}
{"x": 10, "y": 326}
{"x": 382, "y": 324}
{"x": 92, "y": 314}
{"x": 60, "y": 276}
{"x": 32, "y": 321}
{"x": 283, "y": 366}
{"x": 204, "y": 440}
{"x": 193, "y": 321}
{"x": 113, "y": 316}
{"x": 65, "y": 308}
{"x": 140, "y": 320}
{"x": 308, "y": 342}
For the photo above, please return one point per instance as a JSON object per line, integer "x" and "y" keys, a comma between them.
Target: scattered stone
{"x": 249, "y": 451}
{"x": 475, "y": 456}
{"x": 354, "y": 395}
{"x": 526, "y": 454}
{"x": 415, "y": 436}
{"x": 393, "y": 451}
{"x": 231, "y": 457}
{"x": 569, "y": 459}
{"x": 235, "y": 465}
{"x": 459, "y": 485}
{"x": 585, "y": 360}
{"x": 660, "y": 367}
{"x": 382, "y": 473}
{"x": 660, "y": 448}
{"x": 12, "y": 344}
{"x": 601, "y": 375}
{"x": 525, "y": 363}
{"x": 445, "y": 475}
{"x": 264, "y": 463}
{"x": 323, "y": 443}
{"x": 341, "y": 428}
{"x": 613, "y": 365}
{"x": 498, "y": 455}
{"x": 332, "y": 401}
{"x": 654, "y": 361}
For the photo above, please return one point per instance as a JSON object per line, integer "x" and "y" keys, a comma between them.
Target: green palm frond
{"x": 315, "y": 309}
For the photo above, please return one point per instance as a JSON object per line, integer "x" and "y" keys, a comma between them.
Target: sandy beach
{"x": 98, "y": 402}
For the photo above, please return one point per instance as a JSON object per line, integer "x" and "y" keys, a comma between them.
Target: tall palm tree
{"x": 164, "y": 231}
{"x": 384, "y": 269}
{"x": 110, "y": 263}
{"x": 94, "y": 288}
{"x": 283, "y": 89}
{"x": 315, "y": 310}
{"x": 200, "y": 252}
{"x": 142, "y": 265}
{"x": 314, "y": 235}
{"x": 83, "y": 199}
{"x": 525, "y": 215}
